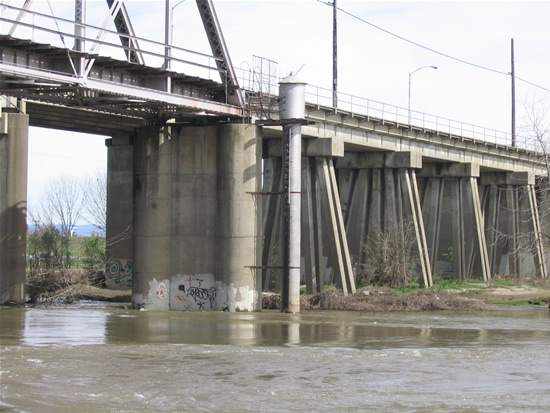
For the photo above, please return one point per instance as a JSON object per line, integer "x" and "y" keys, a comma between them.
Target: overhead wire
{"x": 500, "y": 72}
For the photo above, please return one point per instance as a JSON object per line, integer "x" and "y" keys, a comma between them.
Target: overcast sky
{"x": 371, "y": 63}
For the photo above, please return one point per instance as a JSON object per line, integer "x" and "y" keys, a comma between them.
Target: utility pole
{"x": 513, "y": 97}
{"x": 334, "y": 56}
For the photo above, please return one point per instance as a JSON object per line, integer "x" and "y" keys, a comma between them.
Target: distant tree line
{"x": 65, "y": 201}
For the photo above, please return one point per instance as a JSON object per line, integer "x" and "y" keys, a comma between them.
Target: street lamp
{"x": 168, "y": 32}
{"x": 411, "y": 74}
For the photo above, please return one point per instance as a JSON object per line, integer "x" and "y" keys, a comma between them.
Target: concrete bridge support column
{"x": 455, "y": 222}
{"x": 195, "y": 218}
{"x": 324, "y": 241}
{"x": 238, "y": 285}
{"x": 151, "y": 219}
{"x": 14, "y": 127}
{"x": 120, "y": 192}
{"x": 513, "y": 227}
{"x": 380, "y": 197}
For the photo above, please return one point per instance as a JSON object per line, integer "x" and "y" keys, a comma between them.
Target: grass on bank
{"x": 446, "y": 294}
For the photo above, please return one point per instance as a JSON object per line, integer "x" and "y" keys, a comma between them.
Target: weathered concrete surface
{"x": 13, "y": 205}
{"x": 238, "y": 162}
{"x": 120, "y": 186}
{"x": 195, "y": 218}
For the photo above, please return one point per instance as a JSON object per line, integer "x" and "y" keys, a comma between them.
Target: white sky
{"x": 372, "y": 64}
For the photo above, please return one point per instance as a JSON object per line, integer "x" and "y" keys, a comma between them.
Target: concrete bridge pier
{"x": 455, "y": 233}
{"x": 513, "y": 226}
{"x": 120, "y": 192}
{"x": 380, "y": 198}
{"x": 195, "y": 229}
{"x": 14, "y": 130}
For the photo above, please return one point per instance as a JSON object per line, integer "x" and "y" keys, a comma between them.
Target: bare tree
{"x": 537, "y": 130}
{"x": 62, "y": 204}
{"x": 94, "y": 190}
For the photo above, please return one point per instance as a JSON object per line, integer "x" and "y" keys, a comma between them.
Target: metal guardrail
{"x": 59, "y": 32}
{"x": 356, "y": 105}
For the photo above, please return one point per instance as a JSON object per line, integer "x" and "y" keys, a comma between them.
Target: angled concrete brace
{"x": 539, "y": 258}
{"x": 480, "y": 230}
{"x": 512, "y": 211}
{"x": 409, "y": 179}
{"x": 342, "y": 238}
{"x": 327, "y": 180}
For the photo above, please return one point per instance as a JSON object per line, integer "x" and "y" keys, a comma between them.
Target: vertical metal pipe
{"x": 334, "y": 55}
{"x": 292, "y": 114}
{"x": 294, "y": 206}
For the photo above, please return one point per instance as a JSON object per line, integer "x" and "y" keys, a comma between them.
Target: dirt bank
{"x": 385, "y": 299}
{"x": 479, "y": 297}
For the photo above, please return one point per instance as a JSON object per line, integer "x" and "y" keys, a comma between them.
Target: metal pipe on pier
{"x": 292, "y": 116}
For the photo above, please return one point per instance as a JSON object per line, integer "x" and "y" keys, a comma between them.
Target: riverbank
{"x": 450, "y": 296}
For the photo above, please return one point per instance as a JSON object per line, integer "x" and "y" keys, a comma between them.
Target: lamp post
{"x": 168, "y": 32}
{"x": 411, "y": 74}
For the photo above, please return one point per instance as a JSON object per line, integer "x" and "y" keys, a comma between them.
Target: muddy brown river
{"x": 91, "y": 358}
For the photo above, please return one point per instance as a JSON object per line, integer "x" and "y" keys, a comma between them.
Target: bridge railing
{"x": 252, "y": 80}
{"x": 43, "y": 28}
{"x": 355, "y": 105}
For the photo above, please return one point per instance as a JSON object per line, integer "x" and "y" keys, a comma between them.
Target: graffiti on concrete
{"x": 119, "y": 273}
{"x": 194, "y": 293}
{"x": 162, "y": 290}
{"x": 201, "y": 295}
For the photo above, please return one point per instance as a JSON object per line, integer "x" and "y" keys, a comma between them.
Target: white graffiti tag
{"x": 162, "y": 290}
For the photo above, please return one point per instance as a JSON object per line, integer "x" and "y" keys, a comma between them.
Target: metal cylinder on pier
{"x": 292, "y": 115}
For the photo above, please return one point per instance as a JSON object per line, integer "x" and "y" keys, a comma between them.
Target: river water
{"x": 107, "y": 359}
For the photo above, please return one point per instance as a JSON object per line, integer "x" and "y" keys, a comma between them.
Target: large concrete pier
{"x": 194, "y": 218}
{"x": 14, "y": 125}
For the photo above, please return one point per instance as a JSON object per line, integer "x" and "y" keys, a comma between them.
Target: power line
{"x": 430, "y": 49}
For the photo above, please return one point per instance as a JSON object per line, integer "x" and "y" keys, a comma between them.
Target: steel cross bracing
{"x": 73, "y": 78}
{"x": 219, "y": 50}
{"x": 124, "y": 26}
